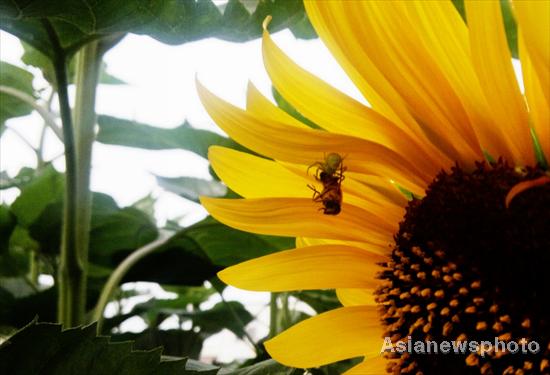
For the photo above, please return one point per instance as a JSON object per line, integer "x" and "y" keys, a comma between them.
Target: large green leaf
{"x": 17, "y": 312}
{"x": 122, "y": 132}
{"x": 17, "y": 78}
{"x": 43, "y": 348}
{"x": 172, "y": 21}
{"x": 230, "y": 315}
{"x": 180, "y": 261}
{"x": 174, "y": 342}
{"x": 226, "y": 246}
{"x": 125, "y": 229}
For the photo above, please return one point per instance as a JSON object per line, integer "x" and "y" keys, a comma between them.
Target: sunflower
{"x": 430, "y": 214}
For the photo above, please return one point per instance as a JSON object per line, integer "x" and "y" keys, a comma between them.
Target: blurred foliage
{"x": 186, "y": 265}
{"x": 122, "y": 132}
{"x": 173, "y": 22}
{"x": 44, "y": 348}
{"x": 17, "y": 78}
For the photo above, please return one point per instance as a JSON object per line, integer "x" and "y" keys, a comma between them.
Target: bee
{"x": 331, "y": 174}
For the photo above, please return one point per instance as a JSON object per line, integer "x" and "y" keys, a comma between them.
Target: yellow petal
{"x": 534, "y": 27}
{"x": 356, "y": 297}
{"x": 401, "y": 48}
{"x": 381, "y": 248}
{"x": 295, "y": 217}
{"x": 307, "y": 146}
{"x": 345, "y": 46}
{"x": 382, "y": 189}
{"x": 330, "y": 337}
{"x": 337, "y": 112}
{"x": 493, "y": 63}
{"x": 255, "y": 177}
{"x": 539, "y": 102}
{"x": 305, "y": 268}
{"x": 375, "y": 365}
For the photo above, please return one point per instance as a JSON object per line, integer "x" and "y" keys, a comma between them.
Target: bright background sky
{"x": 161, "y": 91}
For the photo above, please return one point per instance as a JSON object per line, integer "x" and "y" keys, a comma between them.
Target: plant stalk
{"x": 273, "y": 315}
{"x": 71, "y": 301}
{"x": 88, "y": 62}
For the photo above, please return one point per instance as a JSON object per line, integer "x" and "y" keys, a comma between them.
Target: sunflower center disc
{"x": 467, "y": 268}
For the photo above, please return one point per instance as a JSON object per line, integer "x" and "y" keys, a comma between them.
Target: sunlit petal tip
{"x": 339, "y": 334}
{"x": 266, "y": 22}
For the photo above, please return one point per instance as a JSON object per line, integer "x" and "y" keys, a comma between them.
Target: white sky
{"x": 161, "y": 91}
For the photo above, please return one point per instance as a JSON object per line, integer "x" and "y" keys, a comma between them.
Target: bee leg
{"x": 317, "y": 196}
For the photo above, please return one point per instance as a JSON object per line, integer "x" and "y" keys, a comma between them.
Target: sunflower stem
{"x": 71, "y": 276}
{"x": 273, "y": 315}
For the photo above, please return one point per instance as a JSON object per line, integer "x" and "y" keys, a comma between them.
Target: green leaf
{"x": 268, "y": 367}
{"x": 226, "y": 246}
{"x": 16, "y": 312}
{"x": 17, "y": 78}
{"x": 510, "y": 27}
{"x": 319, "y": 300}
{"x": 146, "y": 205}
{"x": 221, "y": 316}
{"x": 174, "y": 342}
{"x": 15, "y": 261}
{"x": 539, "y": 152}
{"x": 23, "y": 177}
{"x": 192, "y": 188}
{"x": 510, "y": 24}
{"x": 180, "y": 261}
{"x": 45, "y": 189}
{"x": 288, "y": 108}
{"x": 123, "y": 230}
{"x": 116, "y": 131}
{"x": 241, "y": 23}
{"x": 186, "y": 296}
{"x": 44, "y": 348}
{"x": 7, "y": 224}
{"x": 224, "y": 315}
{"x": 172, "y": 21}
{"x": 38, "y": 209}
